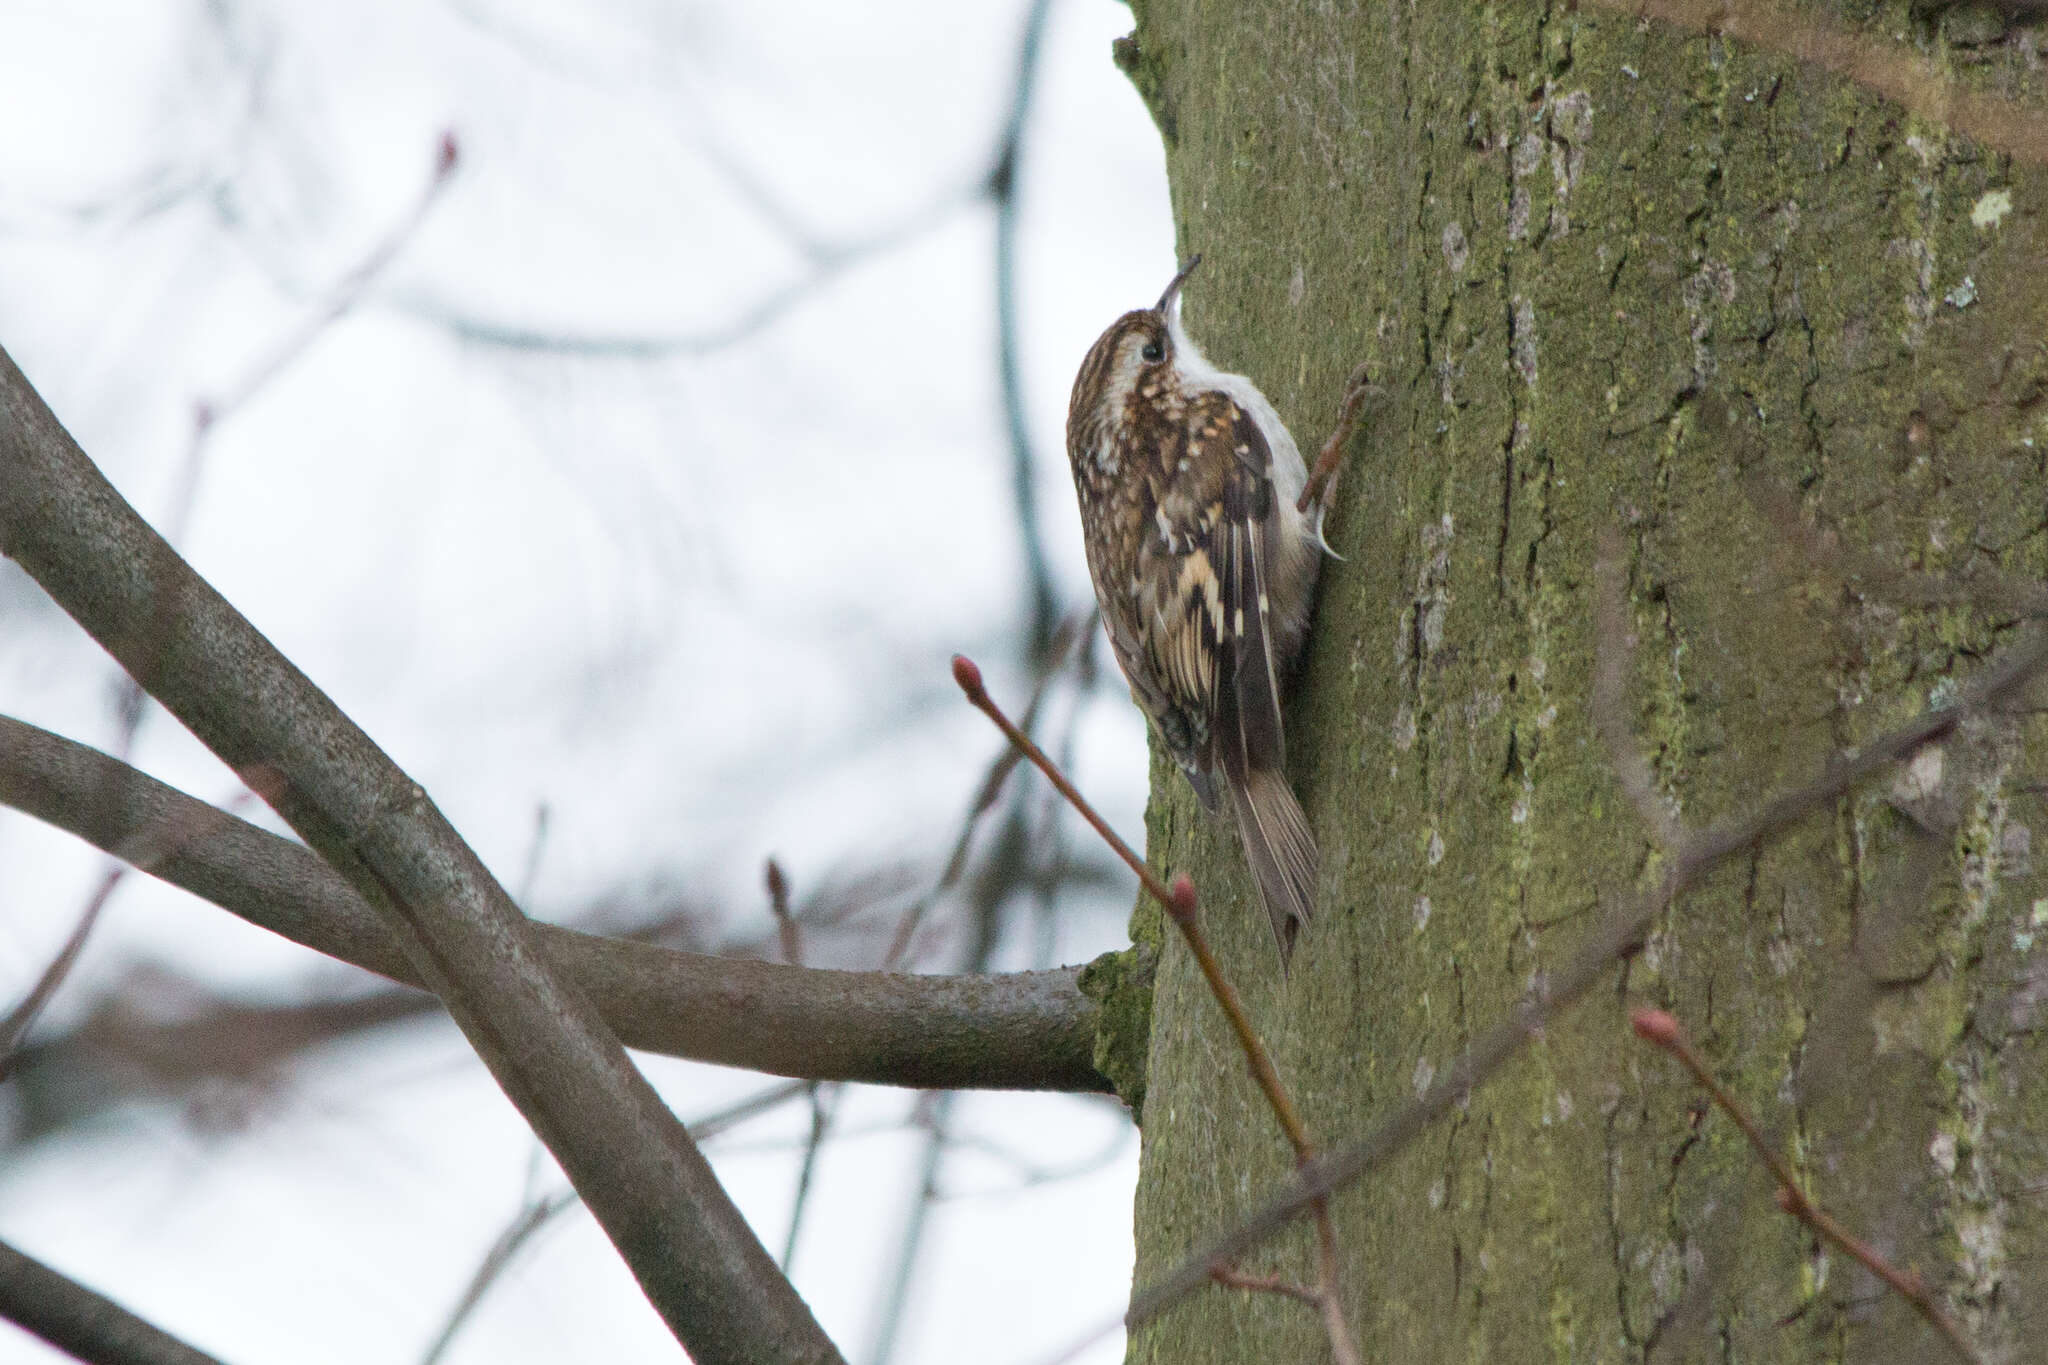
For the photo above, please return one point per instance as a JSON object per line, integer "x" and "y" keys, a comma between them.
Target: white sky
{"x": 699, "y": 603}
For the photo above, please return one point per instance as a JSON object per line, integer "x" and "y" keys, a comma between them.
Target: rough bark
{"x": 1559, "y": 238}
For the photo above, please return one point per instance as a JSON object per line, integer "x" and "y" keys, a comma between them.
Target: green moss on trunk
{"x": 1749, "y": 317}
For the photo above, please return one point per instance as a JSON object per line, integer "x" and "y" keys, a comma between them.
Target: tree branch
{"x": 1021, "y": 1031}
{"x": 540, "y": 1210}
{"x": 1002, "y": 186}
{"x": 542, "y": 1039}
{"x": 83, "y": 1322}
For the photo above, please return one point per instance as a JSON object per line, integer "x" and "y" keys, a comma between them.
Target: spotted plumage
{"x": 1205, "y": 571}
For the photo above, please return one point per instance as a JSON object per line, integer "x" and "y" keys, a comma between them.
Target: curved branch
{"x": 83, "y": 1322}
{"x": 1021, "y": 1031}
{"x": 545, "y": 1044}
{"x": 1002, "y": 184}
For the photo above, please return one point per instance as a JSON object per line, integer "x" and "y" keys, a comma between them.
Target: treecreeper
{"x": 1204, "y": 542}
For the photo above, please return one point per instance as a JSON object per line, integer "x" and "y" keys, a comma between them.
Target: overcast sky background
{"x": 555, "y": 538}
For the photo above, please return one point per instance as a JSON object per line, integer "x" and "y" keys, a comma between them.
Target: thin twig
{"x": 968, "y": 675}
{"x": 791, "y": 938}
{"x": 1618, "y": 932}
{"x": 1181, "y": 905}
{"x": 1330, "y": 1290}
{"x": 817, "y": 1097}
{"x": 341, "y": 298}
{"x": 1055, "y": 854}
{"x": 1327, "y": 1297}
{"x": 1003, "y": 189}
{"x": 896, "y": 1299}
{"x": 1661, "y": 1029}
{"x": 536, "y": 848}
{"x": 1231, "y": 1278}
{"x": 24, "y": 1015}
{"x": 142, "y": 850}
{"x": 750, "y": 321}
{"x": 132, "y": 702}
{"x": 208, "y": 414}
{"x": 536, "y": 1213}
{"x": 124, "y": 1049}
{"x": 1977, "y": 585}
{"x": 986, "y": 921}
{"x": 984, "y": 800}
{"x": 824, "y": 1106}
{"x": 1031, "y": 1173}
{"x": 978, "y": 806}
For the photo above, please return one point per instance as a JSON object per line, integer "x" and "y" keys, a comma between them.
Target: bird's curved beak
{"x": 1173, "y": 287}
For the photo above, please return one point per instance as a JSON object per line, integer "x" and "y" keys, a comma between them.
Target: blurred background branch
{"x": 1023, "y": 1030}
{"x": 648, "y": 485}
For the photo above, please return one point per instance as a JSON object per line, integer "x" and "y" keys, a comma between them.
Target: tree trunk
{"x": 1779, "y": 337}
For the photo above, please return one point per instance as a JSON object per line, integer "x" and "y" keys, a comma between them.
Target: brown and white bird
{"x": 1205, "y": 571}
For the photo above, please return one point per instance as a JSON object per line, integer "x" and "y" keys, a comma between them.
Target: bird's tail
{"x": 1280, "y": 851}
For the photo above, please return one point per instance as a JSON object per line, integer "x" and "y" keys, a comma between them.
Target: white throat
{"x": 1197, "y": 374}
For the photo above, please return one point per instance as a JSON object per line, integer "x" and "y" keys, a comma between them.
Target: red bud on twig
{"x": 1654, "y": 1026}
{"x": 967, "y": 673}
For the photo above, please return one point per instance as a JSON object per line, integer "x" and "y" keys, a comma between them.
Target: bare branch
{"x": 1327, "y": 1297}
{"x": 157, "y": 1033}
{"x": 533, "y": 1216}
{"x": 535, "y": 848}
{"x": 1662, "y": 1030}
{"x": 985, "y": 918}
{"x": 1181, "y": 906}
{"x": 1978, "y": 585}
{"x": 1182, "y": 910}
{"x": 1002, "y": 188}
{"x": 23, "y": 1016}
{"x": 345, "y": 294}
{"x": 824, "y": 1104}
{"x": 209, "y": 413}
{"x": 911, "y": 1241}
{"x": 83, "y": 1322}
{"x": 1031, "y": 1172}
{"x": 143, "y": 849}
{"x": 536, "y": 1213}
{"x": 786, "y": 929}
{"x": 1265, "y": 1284}
{"x": 984, "y": 799}
{"x": 755, "y": 318}
{"x": 968, "y": 675}
{"x": 1027, "y": 1030}
{"x": 544, "y": 1042}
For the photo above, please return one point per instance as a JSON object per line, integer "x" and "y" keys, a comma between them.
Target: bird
{"x": 1204, "y": 556}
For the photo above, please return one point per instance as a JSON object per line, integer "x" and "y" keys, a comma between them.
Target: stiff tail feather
{"x": 1279, "y": 849}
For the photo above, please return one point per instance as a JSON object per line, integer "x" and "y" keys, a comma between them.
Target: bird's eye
{"x": 1153, "y": 351}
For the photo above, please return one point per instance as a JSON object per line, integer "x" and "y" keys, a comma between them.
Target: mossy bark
{"x": 1559, "y": 237}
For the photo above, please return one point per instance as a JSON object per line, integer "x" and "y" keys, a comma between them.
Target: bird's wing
{"x": 1249, "y": 739}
